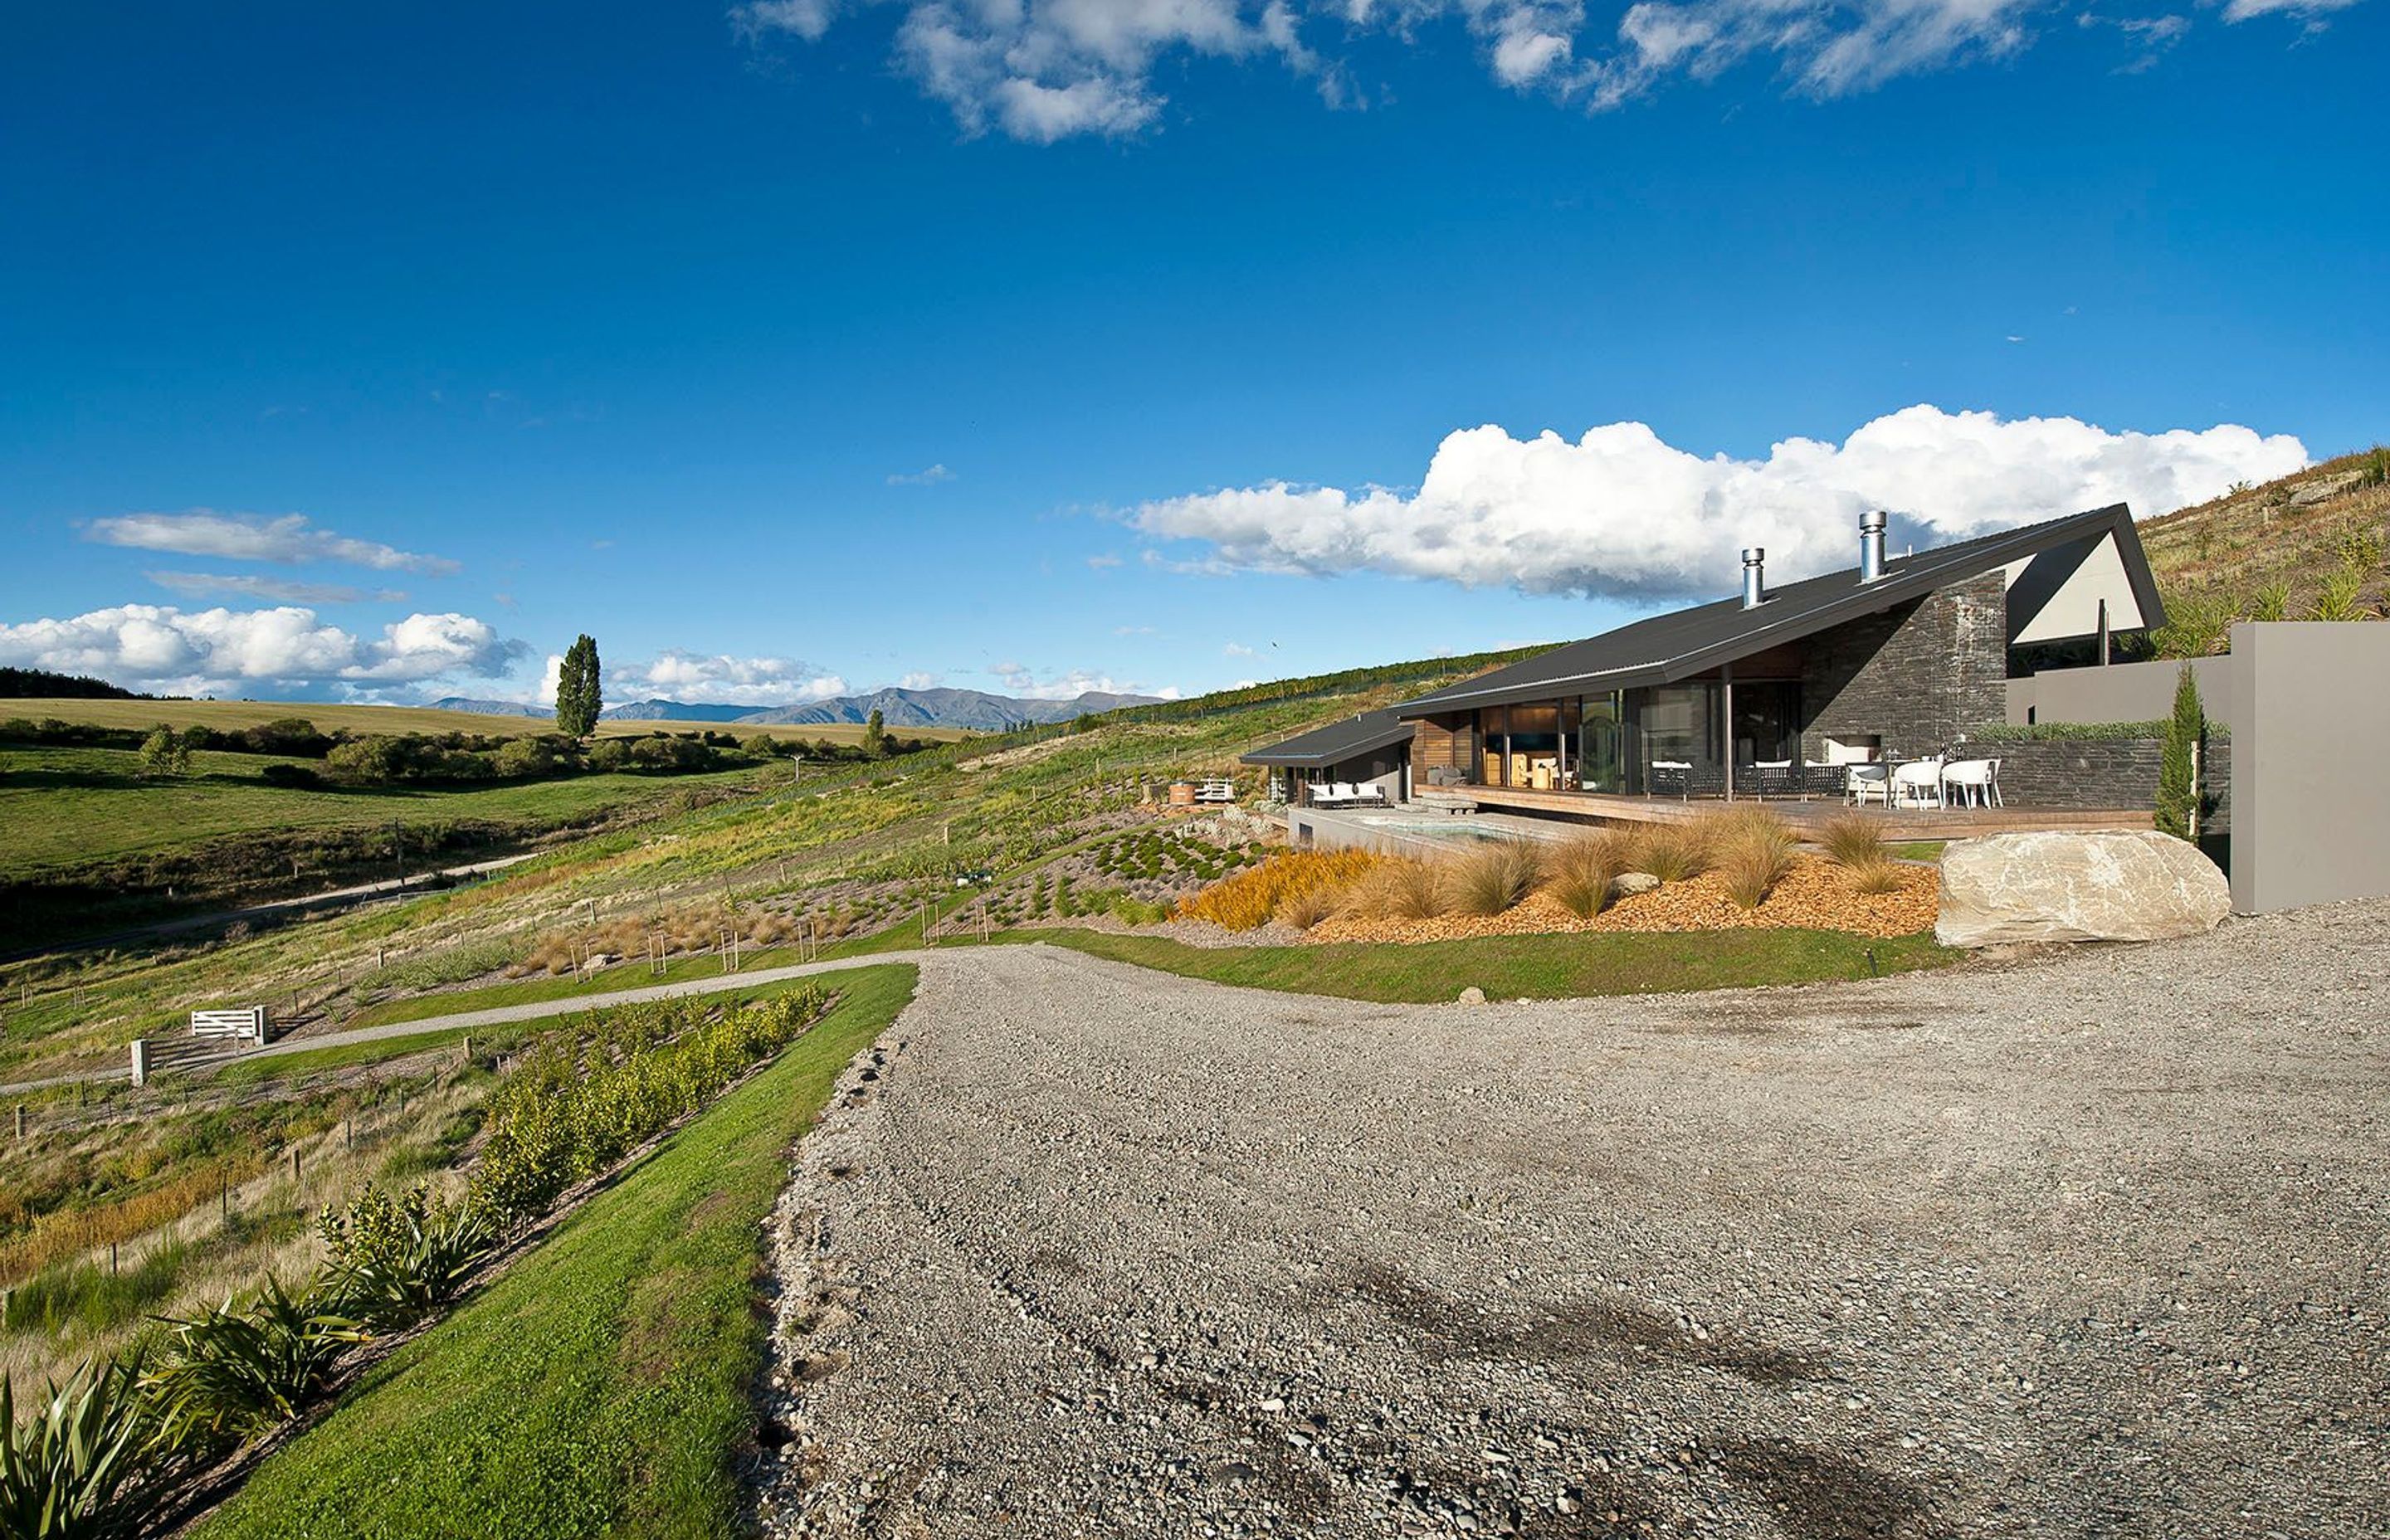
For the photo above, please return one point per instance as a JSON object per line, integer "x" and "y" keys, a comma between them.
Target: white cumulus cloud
{"x": 928, "y": 477}
{"x": 719, "y": 679}
{"x": 252, "y": 585}
{"x": 2241, "y": 10}
{"x": 1620, "y": 512}
{"x": 162, "y": 647}
{"x": 1027, "y": 682}
{"x": 1048, "y": 69}
{"x": 291, "y": 537}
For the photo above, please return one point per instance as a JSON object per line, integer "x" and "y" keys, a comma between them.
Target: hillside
{"x": 969, "y": 711}
{"x": 2309, "y": 546}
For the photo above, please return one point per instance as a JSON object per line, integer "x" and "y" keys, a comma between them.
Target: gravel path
{"x": 2092, "y": 1246}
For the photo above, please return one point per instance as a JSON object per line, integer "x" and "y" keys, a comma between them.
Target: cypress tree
{"x": 875, "y": 734}
{"x": 2178, "y": 790}
{"x": 580, "y": 694}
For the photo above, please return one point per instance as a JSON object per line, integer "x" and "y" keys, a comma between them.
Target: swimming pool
{"x": 1407, "y": 834}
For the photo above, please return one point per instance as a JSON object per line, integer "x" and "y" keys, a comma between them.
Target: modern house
{"x": 1777, "y": 691}
{"x": 1373, "y": 749}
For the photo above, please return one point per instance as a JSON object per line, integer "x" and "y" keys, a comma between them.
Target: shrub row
{"x": 88, "y": 1458}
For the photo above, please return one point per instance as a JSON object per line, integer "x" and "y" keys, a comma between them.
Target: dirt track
{"x": 2084, "y": 1247}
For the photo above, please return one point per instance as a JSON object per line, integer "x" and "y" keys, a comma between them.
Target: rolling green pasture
{"x": 230, "y": 715}
{"x": 599, "y": 1387}
{"x": 60, "y": 808}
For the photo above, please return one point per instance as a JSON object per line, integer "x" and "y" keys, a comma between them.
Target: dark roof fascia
{"x": 1336, "y": 742}
{"x": 1841, "y": 598}
{"x": 2137, "y": 570}
{"x": 1914, "y": 577}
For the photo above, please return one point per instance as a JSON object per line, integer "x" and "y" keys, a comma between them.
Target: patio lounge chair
{"x": 1977, "y": 782}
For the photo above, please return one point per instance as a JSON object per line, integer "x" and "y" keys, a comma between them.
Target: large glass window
{"x": 1601, "y": 752}
{"x": 1680, "y": 724}
{"x": 1766, "y": 722}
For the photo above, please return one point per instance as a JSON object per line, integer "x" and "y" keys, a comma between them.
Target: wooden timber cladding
{"x": 1447, "y": 742}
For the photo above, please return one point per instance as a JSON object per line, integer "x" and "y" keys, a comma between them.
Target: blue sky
{"x": 377, "y": 351}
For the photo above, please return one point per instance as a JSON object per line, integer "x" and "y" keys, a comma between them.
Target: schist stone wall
{"x": 1917, "y": 675}
{"x": 2105, "y": 773}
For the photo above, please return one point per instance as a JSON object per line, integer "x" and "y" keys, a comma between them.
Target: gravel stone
{"x": 2078, "y": 1244}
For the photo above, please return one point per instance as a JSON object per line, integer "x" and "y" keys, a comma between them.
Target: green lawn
{"x": 600, "y": 1386}
{"x": 1508, "y": 968}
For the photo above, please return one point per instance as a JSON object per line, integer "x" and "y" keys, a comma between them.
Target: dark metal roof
{"x": 1336, "y": 742}
{"x": 1664, "y": 649}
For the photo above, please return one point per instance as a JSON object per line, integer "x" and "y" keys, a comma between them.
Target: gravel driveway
{"x": 2088, "y": 1246}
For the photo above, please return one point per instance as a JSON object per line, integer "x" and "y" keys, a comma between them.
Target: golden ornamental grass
{"x": 1253, "y": 897}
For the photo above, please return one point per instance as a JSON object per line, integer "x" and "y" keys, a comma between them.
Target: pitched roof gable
{"x": 1663, "y": 648}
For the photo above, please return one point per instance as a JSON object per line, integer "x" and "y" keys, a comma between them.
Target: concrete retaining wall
{"x": 2311, "y": 788}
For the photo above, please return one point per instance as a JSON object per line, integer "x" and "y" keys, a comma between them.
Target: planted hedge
{"x": 91, "y": 1456}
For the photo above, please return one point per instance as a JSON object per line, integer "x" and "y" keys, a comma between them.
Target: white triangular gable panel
{"x": 2074, "y": 609}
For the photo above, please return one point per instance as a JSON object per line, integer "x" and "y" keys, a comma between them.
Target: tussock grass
{"x": 1880, "y": 875}
{"x": 1673, "y": 853}
{"x": 1753, "y": 851}
{"x": 1580, "y": 870}
{"x": 1495, "y": 877}
{"x": 1401, "y": 887}
{"x": 1851, "y": 839}
{"x": 1308, "y": 907}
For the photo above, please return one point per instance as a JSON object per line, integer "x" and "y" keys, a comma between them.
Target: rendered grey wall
{"x": 2121, "y": 692}
{"x": 2311, "y": 764}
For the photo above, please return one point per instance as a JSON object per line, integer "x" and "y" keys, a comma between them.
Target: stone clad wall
{"x": 2103, "y": 773}
{"x": 1919, "y": 673}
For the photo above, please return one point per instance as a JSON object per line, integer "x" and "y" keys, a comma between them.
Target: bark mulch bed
{"x": 1816, "y": 896}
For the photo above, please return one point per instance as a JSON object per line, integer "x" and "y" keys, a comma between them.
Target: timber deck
{"x": 1806, "y": 815}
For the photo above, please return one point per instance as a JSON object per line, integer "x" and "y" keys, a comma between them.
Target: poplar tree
{"x": 579, "y": 695}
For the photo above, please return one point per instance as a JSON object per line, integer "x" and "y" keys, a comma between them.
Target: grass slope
{"x": 599, "y": 1387}
{"x": 2234, "y": 556}
{"x": 1510, "y": 967}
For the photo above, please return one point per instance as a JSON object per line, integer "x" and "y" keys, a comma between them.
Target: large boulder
{"x": 2131, "y": 886}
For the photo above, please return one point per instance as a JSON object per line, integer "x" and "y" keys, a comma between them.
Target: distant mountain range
{"x": 898, "y": 709}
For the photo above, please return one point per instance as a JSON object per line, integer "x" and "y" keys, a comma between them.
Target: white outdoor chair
{"x": 1918, "y": 783}
{"x": 1976, "y": 781}
{"x": 1867, "y": 783}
